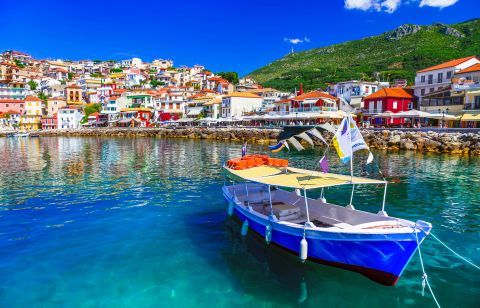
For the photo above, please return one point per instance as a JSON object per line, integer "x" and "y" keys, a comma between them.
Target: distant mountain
{"x": 396, "y": 54}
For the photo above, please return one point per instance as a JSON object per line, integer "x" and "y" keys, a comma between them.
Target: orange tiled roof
{"x": 473, "y": 68}
{"x": 74, "y": 86}
{"x": 313, "y": 94}
{"x": 32, "y": 99}
{"x": 390, "y": 92}
{"x": 447, "y": 64}
{"x": 12, "y": 101}
{"x": 242, "y": 94}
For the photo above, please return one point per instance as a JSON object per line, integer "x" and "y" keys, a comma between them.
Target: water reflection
{"x": 146, "y": 216}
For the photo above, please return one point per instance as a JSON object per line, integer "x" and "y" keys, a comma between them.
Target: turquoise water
{"x": 142, "y": 222}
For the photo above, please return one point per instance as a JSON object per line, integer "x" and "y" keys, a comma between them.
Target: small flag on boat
{"x": 244, "y": 149}
{"x": 278, "y": 147}
{"x": 324, "y": 164}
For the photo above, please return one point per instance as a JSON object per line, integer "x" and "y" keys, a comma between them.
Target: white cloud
{"x": 390, "y": 6}
{"x": 438, "y": 3}
{"x": 296, "y": 41}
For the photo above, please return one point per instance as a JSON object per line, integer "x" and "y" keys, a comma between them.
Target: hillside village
{"x": 58, "y": 94}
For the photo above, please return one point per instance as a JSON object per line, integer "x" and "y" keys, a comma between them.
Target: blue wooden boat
{"x": 272, "y": 201}
{"x": 373, "y": 244}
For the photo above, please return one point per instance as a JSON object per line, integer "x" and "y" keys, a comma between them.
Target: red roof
{"x": 94, "y": 114}
{"x": 451, "y": 63}
{"x": 74, "y": 86}
{"x": 12, "y": 101}
{"x": 391, "y": 92}
{"x": 314, "y": 95}
{"x": 473, "y": 68}
{"x": 32, "y": 99}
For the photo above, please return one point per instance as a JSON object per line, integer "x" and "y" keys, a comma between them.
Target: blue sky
{"x": 239, "y": 35}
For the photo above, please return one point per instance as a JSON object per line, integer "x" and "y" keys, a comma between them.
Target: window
{"x": 7, "y": 105}
{"x": 432, "y": 89}
{"x": 374, "y": 89}
{"x": 422, "y": 78}
{"x": 410, "y": 106}
{"x": 422, "y": 92}
{"x": 449, "y": 74}
{"x": 430, "y": 79}
{"x": 395, "y": 105}
{"x": 440, "y": 77}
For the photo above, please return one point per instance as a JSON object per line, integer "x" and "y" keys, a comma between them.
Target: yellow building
{"x": 55, "y": 103}
{"x": 74, "y": 95}
{"x": 32, "y": 119}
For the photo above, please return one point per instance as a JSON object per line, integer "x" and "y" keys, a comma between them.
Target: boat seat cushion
{"x": 285, "y": 211}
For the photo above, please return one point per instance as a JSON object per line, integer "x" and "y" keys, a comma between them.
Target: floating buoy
{"x": 268, "y": 234}
{"x": 303, "y": 252}
{"x": 245, "y": 227}
{"x": 230, "y": 208}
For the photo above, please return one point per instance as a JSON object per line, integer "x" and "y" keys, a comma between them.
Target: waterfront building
{"x": 314, "y": 101}
{"x": 74, "y": 95}
{"x": 49, "y": 122}
{"x": 392, "y": 100}
{"x": 14, "y": 105}
{"x": 97, "y": 119}
{"x": 236, "y": 104}
{"x": 31, "y": 119}
{"x": 69, "y": 117}
{"x": 353, "y": 91}
{"x": 9, "y": 119}
{"x": 143, "y": 116}
{"x": 433, "y": 84}
{"x": 55, "y": 103}
{"x": 212, "y": 108}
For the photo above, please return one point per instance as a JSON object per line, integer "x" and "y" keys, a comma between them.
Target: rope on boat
{"x": 424, "y": 274}
{"x": 455, "y": 253}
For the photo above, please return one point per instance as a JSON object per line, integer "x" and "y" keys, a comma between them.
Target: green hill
{"x": 392, "y": 55}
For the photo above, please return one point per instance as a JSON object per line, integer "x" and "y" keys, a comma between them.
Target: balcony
{"x": 472, "y": 106}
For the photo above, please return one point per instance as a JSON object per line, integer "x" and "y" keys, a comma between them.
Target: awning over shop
{"x": 470, "y": 117}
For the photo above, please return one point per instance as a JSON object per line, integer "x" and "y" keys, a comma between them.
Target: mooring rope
{"x": 456, "y": 253}
{"x": 424, "y": 274}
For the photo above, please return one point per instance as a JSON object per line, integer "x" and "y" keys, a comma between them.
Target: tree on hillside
{"x": 232, "y": 77}
{"x": 89, "y": 109}
{"x": 32, "y": 84}
{"x": 116, "y": 70}
{"x": 42, "y": 96}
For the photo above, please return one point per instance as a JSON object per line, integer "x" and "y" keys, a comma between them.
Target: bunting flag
{"x": 278, "y": 147}
{"x": 358, "y": 143}
{"x": 370, "y": 157}
{"x": 296, "y": 144}
{"x": 328, "y": 127}
{"x": 324, "y": 164}
{"x": 305, "y": 137}
{"x": 316, "y": 133}
{"x": 286, "y": 145}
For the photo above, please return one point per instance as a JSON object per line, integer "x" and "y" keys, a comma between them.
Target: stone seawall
{"x": 439, "y": 142}
{"x": 251, "y": 135}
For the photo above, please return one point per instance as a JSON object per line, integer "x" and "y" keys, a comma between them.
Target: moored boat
{"x": 271, "y": 198}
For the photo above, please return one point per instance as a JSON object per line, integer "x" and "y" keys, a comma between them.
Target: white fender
{"x": 268, "y": 234}
{"x": 303, "y": 251}
{"x": 245, "y": 227}
{"x": 230, "y": 208}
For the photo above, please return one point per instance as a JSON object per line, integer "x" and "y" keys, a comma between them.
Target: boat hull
{"x": 380, "y": 257}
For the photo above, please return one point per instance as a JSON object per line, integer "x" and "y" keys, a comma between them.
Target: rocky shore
{"x": 439, "y": 142}
{"x": 391, "y": 140}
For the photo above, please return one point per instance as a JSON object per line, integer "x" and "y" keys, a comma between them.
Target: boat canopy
{"x": 298, "y": 178}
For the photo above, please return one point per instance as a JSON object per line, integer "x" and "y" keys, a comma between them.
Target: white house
{"x": 69, "y": 117}
{"x": 133, "y": 62}
{"x": 433, "y": 78}
{"x": 113, "y": 106}
{"x": 353, "y": 91}
{"x": 236, "y": 104}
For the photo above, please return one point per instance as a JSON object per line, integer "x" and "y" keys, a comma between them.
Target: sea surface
{"x": 141, "y": 222}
